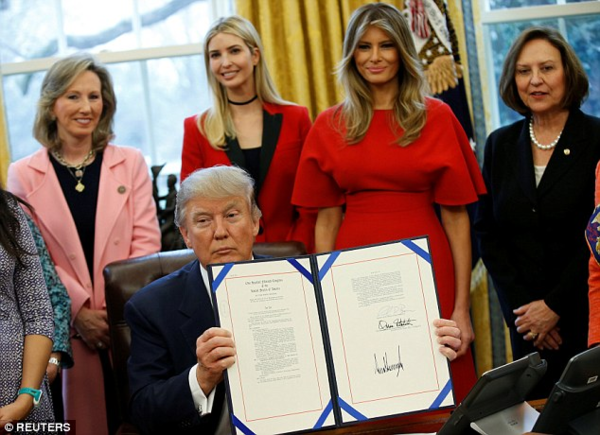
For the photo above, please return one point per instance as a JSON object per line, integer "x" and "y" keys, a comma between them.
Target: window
{"x": 503, "y": 20}
{"x": 152, "y": 48}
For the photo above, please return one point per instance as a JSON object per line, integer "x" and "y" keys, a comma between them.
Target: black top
{"x": 82, "y": 204}
{"x": 252, "y": 156}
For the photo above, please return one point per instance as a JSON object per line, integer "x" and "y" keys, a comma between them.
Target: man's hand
{"x": 215, "y": 351}
{"x": 449, "y": 337}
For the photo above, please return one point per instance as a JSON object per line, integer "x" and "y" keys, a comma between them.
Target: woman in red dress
{"x": 252, "y": 127}
{"x": 388, "y": 154}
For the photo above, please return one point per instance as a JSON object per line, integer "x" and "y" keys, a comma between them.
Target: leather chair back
{"x": 124, "y": 278}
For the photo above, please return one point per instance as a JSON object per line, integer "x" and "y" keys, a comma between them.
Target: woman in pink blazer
{"x": 93, "y": 204}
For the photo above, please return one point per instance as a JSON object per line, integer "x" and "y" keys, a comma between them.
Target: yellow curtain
{"x": 480, "y": 313}
{"x": 303, "y": 44}
{"x": 4, "y": 153}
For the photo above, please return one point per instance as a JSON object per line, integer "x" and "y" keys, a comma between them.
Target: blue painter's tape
{"x": 300, "y": 268}
{"x": 241, "y": 426}
{"x": 328, "y": 263}
{"x": 350, "y": 410}
{"x": 417, "y": 250}
{"x": 443, "y": 394}
{"x": 219, "y": 279}
{"x": 321, "y": 421}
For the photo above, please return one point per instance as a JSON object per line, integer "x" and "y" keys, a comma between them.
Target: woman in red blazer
{"x": 250, "y": 126}
{"x": 93, "y": 204}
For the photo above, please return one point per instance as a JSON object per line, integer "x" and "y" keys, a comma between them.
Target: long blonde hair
{"x": 217, "y": 124}
{"x": 357, "y": 108}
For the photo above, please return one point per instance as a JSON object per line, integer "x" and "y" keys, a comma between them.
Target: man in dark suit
{"x": 177, "y": 354}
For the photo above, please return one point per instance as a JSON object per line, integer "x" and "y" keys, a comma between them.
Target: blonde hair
{"x": 56, "y": 82}
{"x": 217, "y": 124}
{"x": 357, "y": 108}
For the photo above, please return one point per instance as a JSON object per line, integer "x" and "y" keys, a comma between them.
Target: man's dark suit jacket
{"x": 166, "y": 317}
{"x": 532, "y": 239}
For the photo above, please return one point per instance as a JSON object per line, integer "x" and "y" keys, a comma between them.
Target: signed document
{"x": 331, "y": 339}
{"x": 380, "y": 303}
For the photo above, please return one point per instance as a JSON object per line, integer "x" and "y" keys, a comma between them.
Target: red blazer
{"x": 284, "y": 129}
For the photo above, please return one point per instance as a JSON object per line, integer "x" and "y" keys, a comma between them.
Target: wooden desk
{"x": 429, "y": 422}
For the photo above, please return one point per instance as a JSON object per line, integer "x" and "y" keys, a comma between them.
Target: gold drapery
{"x": 4, "y": 153}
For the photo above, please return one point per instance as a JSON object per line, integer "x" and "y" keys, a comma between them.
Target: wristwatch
{"x": 36, "y": 394}
{"x": 54, "y": 361}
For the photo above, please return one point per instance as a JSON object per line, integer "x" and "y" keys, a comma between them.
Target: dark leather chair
{"x": 124, "y": 278}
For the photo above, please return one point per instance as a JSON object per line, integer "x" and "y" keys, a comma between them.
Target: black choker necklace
{"x": 243, "y": 103}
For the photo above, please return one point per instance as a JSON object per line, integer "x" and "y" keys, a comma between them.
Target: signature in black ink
{"x": 387, "y": 367}
{"x": 398, "y": 323}
{"x": 391, "y": 310}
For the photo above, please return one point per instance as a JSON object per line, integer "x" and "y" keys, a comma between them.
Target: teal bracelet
{"x": 36, "y": 394}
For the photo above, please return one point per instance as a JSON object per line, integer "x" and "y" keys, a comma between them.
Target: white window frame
{"x": 218, "y": 8}
{"x": 513, "y": 15}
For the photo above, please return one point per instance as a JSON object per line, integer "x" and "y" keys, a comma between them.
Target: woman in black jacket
{"x": 539, "y": 174}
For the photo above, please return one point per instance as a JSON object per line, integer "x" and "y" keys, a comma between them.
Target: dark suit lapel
{"x": 569, "y": 149}
{"x": 524, "y": 164}
{"x": 271, "y": 129}
{"x": 235, "y": 153}
{"x": 197, "y": 306}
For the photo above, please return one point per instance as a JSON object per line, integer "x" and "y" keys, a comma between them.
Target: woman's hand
{"x": 552, "y": 340}
{"x": 328, "y": 224}
{"x": 15, "y": 411}
{"x": 92, "y": 326}
{"x": 52, "y": 370}
{"x": 536, "y": 321}
{"x": 463, "y": 321}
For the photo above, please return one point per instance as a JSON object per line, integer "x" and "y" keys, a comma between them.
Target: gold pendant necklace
{"x": 79, "y": 170}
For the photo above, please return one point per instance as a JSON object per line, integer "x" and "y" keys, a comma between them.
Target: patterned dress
{"x": 59, "y": 298}
{"x": 24, "y": 310}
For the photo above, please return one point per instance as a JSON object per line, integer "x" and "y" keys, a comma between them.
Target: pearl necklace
{"x": 539, "y": 145}
{"x": 79, "y": 170}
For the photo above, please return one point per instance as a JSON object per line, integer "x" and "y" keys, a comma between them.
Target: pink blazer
{"x": 126, "y": 223}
